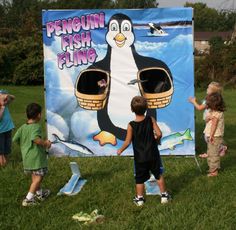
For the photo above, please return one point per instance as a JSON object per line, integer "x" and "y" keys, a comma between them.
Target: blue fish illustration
{"x": 170, "y": 141}
{"x": 74, "y": 146}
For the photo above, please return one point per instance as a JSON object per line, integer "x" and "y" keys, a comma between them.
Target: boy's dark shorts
{"x": 5, "y": 143}
{"x": 142, "y": 171}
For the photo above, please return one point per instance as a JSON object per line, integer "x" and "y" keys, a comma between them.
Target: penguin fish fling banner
{"x": 96, "y": 61}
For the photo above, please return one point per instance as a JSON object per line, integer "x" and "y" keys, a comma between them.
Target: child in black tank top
{"x": 146, "y": 154}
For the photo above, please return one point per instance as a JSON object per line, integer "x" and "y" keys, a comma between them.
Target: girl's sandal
{"x": 212, "y": 174}
{"x": 203, "y": 155}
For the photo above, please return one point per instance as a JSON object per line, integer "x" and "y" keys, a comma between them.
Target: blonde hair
{"x": 216, "y": 87}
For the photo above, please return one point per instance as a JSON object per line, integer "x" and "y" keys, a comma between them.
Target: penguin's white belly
{"x": 123, "y": 70}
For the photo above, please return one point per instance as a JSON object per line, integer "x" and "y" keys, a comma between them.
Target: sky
{"x": 217, "y": 4}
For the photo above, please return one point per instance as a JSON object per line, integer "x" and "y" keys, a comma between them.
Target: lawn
{"x": 198, "y": 202}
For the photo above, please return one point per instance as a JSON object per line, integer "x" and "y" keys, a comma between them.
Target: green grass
{"x": 198, "y": 202}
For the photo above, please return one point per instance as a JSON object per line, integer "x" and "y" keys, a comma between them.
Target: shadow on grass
{"x": 184, "y": 174}
{"x": 200, "y": 144}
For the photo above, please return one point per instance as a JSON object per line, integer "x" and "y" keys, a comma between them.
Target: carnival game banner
{"x": 96, "y": 61}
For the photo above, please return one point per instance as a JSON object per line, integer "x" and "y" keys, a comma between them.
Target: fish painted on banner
{"x": 134, "y": 81}
{"x": 170, "y": 141}
{"x": 74, "y": 146}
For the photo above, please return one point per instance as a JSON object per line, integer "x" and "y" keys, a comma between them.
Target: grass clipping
{"x": 92, "y": 218}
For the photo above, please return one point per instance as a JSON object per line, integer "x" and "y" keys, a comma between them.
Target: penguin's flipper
{"x": 105, "y": 138}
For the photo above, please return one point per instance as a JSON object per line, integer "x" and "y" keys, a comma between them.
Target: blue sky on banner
{"x": 63, "y": 112}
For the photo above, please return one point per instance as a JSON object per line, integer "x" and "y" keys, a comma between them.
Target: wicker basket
{"x": 92, "y": 101}
{"x": 157, "y": 100}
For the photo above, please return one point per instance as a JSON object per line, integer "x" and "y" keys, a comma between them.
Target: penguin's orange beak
{"x": 120, "y": 39}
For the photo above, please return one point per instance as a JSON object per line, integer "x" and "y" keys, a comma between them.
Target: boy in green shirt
{"x": 33, "y": 153}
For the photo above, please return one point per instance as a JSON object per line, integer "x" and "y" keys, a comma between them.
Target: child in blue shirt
{"x": 6, "y": 126}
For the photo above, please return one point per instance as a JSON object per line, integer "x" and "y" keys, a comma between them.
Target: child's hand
{"x": 192, "y": 99}
{"x": 47, "y": 144}
{"x": 211, "y": 139}
{"x": 119, "y": 152}
{"x": 158, "y": 141}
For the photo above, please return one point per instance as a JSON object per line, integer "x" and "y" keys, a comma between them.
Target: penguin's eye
{"x": 126, "y": 27}
{"x": 113, "y": 27}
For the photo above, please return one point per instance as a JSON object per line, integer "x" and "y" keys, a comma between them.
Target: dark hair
{"x": 214, "y": 101}
{"x": 139, "y": 105}
{"x": 33, "y": 110}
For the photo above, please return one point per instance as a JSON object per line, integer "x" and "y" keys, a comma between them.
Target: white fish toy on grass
{"x": 73, "y": 145}
{"x": 170, "y": 141}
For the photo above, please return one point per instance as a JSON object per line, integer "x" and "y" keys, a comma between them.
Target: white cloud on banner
{"x": 149, "y": 46}
{"x": 57, "y": 125}
{"x": 83, "y": 124}
{"x": 59, "y": 85}
{"x": 165, "y": 129}
{"x": 158, "y": 49}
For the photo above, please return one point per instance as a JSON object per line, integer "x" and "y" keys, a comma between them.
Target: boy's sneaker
{"x": 44, "y": 195}
{"x": 27, "y": 202}
{"x": 165, "y": 198}
{"x": 139, "y": 201}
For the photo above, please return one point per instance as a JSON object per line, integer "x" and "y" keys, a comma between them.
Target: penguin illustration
{"x": 126, "y": 74}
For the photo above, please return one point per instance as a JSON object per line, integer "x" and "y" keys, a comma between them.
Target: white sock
{"x": 39, "y": 192}
{"x": 30, "y": 196}
{"x": 139, "y": 196}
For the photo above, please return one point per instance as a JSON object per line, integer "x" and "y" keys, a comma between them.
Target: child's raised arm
{"x": 10, "y": 98}
{"x": 193, "y": 100}
{"x": 2, "y": 108}
{"x": 45, "y": 143}
{"x": 127, "y": 141}
{"x": 2, "y": 104}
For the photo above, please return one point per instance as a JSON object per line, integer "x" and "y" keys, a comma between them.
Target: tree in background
{"x": 209, "y": 19}
{"x": 220, "y": 63}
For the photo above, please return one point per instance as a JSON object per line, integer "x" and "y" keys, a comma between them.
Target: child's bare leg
{"x": 35, "y": 184}
{"x": 139, "y": 190}
{"x": 2, "y": 160}
{"x": 165, "y": 196}
{"x": 161, "y": 184}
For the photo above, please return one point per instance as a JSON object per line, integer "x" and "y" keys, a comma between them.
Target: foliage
{"x": 197, "y": 203}
{"x": 219, "y": 65}
{"x": 209, "y": 19}
{"x": 135, "y": 4}
{"x": 21, "y": 62}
